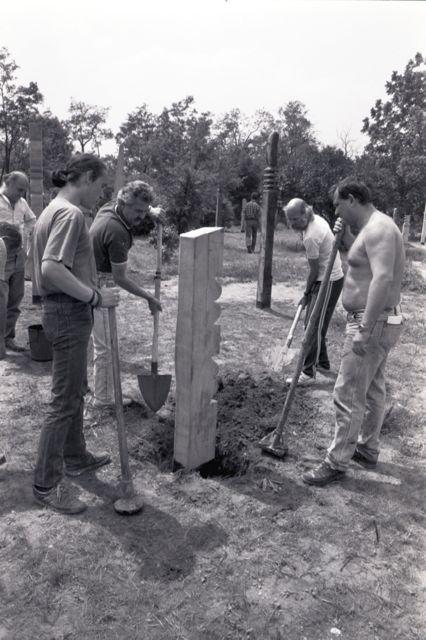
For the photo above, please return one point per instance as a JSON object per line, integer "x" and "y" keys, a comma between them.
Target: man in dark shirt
{"x": 112, "y": 238}
{"x": 252, "y": 213}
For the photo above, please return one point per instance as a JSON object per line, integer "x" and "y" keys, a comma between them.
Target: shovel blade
{"x": 281, "y": 357}
{"x": 154, "y": 389}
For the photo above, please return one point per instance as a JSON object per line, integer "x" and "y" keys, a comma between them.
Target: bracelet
{"x": 92, "y": 298}
{"x": 96, "y": 299}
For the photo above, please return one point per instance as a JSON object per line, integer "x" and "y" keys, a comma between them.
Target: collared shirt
{"x": 252, "y": 211}
{"x": 318, "y": 241}
{"x": 111, "y": 236}
{"x": 19, "y": 215}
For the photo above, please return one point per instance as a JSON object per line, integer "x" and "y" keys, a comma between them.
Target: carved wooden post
{"x": 119, "y": 171}
{"x": 269, "y": 207}
{"x": 423, "y": 234}
{"x": 197, "y": 341}
{"x": 36, "y": 167}
{"x": 243, "y": 223}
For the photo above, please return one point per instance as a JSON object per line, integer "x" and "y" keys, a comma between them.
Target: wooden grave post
{"x": 423, "y": 234}
{"x": 406, "y": 228}
{"x": 36, "y": 185}
{"x": 269, "y": 207}
{"x": 243, "y": 222}
{"x": 197, "y": 342}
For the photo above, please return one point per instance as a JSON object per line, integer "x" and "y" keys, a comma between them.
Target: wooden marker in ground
{"x": 406, "y": 228}
{"x": 423, "y": 234}
{"x": 197, "y": 342}
{"x": 269, "y": 207}
{"x": 36, "y": 185}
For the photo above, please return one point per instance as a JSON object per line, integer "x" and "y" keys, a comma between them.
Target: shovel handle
{"x": 121, "y": 431}
{"x": 307, "y": 337}
{"x": 294, "y": 325}
{"x": 157, "y": 286}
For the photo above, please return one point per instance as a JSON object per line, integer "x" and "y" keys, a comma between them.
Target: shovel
{"x": 130, "y": 502}
{"x": 273, "y": 442}
{"x": 282, "y": 356}
{"x": 153, "y": 386}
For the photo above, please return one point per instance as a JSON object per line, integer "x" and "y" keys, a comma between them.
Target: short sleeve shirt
{"x": 20, "y": 215}
{"x": 318, "y": 241}
{"x": 111, "y": 237}
{"x": 61, "y": 235}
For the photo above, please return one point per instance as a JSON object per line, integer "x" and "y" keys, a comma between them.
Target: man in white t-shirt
{"x": 15, "y": 210}
{"x": 318, "y": 241}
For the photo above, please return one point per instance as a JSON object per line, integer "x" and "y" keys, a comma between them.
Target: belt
{"x": 391, "y": 311}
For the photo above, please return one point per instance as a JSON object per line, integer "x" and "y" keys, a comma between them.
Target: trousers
{"x": 11, "y": 293}
{"x": 102, "y": 361}
{"x": 251, "y": 228}
{"x": 67, "y": 324}
{"x": 360, "y": 394}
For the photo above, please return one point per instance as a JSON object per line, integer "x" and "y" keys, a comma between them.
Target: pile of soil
{"x": 248, "y": 409}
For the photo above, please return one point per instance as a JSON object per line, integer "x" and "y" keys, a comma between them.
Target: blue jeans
{"x": 67, "y": 324}
{"x": 360, "y": 394}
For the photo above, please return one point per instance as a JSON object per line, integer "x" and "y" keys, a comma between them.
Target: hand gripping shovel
{"x": 282, "y": 355}
{"x": 130, "y": 502}
{"x": 273, "y": 442}
{"x": 155, "y": 387}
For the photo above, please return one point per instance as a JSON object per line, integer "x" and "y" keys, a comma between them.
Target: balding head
{"x": 298, "y": 213}
{"x": 15, "y": 186}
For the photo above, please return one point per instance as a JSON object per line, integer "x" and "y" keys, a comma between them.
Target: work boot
{"x": 13, "y": 346}
{"x": 304, "y": 380}
{"x": 322, "y": 475}
{"x": 363, "y": 461}
{"x": 249, "y": 250}
{"x": 324, "y": 370}
{"x": 2, "y": 458}
{"x": 60, "y": 499}
{"x": 91, "y": 462}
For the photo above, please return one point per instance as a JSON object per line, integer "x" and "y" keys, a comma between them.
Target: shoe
{"x": 322, "y": 475}
{"x": 60, "y": 499}
{"x": 126, "y": 400}
{"x": 363, "y": 461}
{"x": 304, "y": 380}
{"x": 12, "y": 346}
{"x": 323, "y": 370}
{"x": 2, "y": 458}
{"x": 91, "y": 463}
{"x": 249, "y": 250}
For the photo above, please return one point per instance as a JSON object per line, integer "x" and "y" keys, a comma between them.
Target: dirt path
{"x": 248, "y": 551}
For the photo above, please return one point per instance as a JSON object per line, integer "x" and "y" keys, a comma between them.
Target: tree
{"x": 86, "y": 125}
{"x": 397, "y": 133}
{"x": 18, "y": 106}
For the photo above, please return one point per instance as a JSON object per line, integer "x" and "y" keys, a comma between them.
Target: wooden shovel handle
{"x": 157, "y": 287}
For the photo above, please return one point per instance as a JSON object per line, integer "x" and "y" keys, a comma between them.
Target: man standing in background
{"x": 252, "y": 214}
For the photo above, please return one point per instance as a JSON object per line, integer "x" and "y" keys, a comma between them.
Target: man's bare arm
{"x": 380, "y": 249}
{"x": 121, "y": 279}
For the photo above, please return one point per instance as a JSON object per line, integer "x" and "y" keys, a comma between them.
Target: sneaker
{"x": 60, "y": 499}
{"x": 322, "y": 475}
{"x": 13, "y": 346}
{"x": 91, "y": 463}
{"x": 304, "y": 380}
{"x": 363, "y": 461}
{"x": 126, "y": 400}
{"x": 324, "y": 370}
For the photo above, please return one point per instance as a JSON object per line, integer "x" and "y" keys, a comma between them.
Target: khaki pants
{"x": 360, "y": 394}
{"x": 102, "y": 362}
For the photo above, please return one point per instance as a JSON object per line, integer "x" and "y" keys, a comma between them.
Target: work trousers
{"x": 251, "y": 228}
{"x": 67, "y": 324}
{"x": 102, "y": 361}
{"x": 11, "y": 293}
{"x": 360, "y": 394}
{"x": 317, "y": 349}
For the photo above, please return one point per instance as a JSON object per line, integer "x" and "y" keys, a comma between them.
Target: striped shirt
{"x": 20, "y": 216}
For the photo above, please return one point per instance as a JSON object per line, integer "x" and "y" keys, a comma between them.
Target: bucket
{"x": 40, "y": 347}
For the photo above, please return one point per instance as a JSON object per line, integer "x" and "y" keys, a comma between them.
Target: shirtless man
{"x": 371, "y": 296}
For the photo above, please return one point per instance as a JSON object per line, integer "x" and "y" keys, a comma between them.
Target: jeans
{"x": 251, "y": 227}
{"x": 360, "y": 394}
{"x": 317, "y": 353}
{"x": 102, "y": 361}
{"x": 67, "y": 324}
{"x": 11, "y": 293}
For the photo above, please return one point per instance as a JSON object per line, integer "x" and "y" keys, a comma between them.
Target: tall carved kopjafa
{"x": 36, "y": 167}
{"x": 269, "y": 208}
{"x": 197, "y": 342}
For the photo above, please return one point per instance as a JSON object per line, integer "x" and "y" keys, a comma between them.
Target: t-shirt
{"x": 61, "y": 234}
{"x": 252, "y": 211}
{"x": 111, "y": 238}
{"x": 318, "y": 240}
{"x": 3, "y": 258}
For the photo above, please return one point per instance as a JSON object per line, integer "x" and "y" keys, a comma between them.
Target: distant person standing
{"x": 252, "y": 213}
{"x": 14, "y": 209}
{"x": 10, "y": 243}
{"x": 318, "y": 240}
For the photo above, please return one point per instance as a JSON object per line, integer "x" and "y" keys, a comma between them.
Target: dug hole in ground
{"x": 243, "y": 549}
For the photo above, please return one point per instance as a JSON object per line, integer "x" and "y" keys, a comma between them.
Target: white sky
{"x": 333, "y": 56}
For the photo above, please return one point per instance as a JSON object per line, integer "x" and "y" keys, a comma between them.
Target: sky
{"x": 333, "y": 56}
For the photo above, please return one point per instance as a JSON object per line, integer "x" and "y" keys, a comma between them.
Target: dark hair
{"x": 135, "y": 190}
{"x": 354, "y": 187}
{"x": 9, "y": 231}
{"x": 253, "y": 196}
{"x": 79, "y": 164}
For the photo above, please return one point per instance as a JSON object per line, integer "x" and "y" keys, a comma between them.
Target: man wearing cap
{"x": 318, "y": 242}
{"x": 371, "y": 297}
{"x": 15, "y": 210}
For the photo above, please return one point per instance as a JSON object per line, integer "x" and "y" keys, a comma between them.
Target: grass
{"x": 413, "y": 280}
